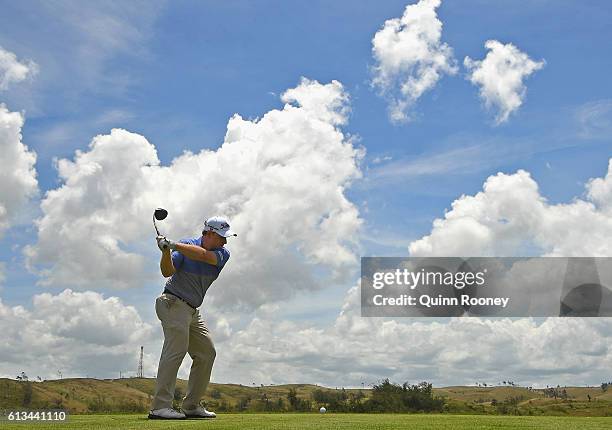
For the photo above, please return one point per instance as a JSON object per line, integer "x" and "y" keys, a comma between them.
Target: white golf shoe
{"x": 166, "y": 414}
{"x": 199, "y": 412}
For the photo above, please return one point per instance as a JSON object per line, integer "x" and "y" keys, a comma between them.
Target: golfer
{"x": 191, "y": 265}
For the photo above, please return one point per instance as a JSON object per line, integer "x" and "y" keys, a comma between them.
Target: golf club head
{"x": 160, "y": 214}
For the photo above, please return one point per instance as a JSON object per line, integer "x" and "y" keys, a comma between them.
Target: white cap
{"x": 219, "y": 225}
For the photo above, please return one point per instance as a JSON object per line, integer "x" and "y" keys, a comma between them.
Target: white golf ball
{"x": 322, "y": 410}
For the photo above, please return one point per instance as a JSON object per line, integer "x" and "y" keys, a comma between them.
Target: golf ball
{"x": 322, "y": 410}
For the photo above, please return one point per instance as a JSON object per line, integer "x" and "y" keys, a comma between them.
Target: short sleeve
{"x": 223, "y": 255}
{"x": 177, "y": 258}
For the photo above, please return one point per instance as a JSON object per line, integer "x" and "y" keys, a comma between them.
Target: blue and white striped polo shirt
{"x": 192, "y": 278}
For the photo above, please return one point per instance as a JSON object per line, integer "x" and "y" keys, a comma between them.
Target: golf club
{"x": 159, "y": 214}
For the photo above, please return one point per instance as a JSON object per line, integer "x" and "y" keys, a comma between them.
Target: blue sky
{"x": 197, "y": 64}
{"x": 177, "y": 72}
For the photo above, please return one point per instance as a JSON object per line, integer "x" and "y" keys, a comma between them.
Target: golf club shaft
{"x": 155, "y": 225}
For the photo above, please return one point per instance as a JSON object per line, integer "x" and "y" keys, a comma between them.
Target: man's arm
{"x": 166, "y": 265}
{"x": 198, "y": 253}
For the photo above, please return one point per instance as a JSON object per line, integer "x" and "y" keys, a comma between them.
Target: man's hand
{"x": 165, "y": 264}
{"x": 165, "y": 244}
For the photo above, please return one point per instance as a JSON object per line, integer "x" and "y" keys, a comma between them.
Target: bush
{"x": 99, "y": 404}
{"x": 390, "y": 397}
{"x": 386, "y": 397}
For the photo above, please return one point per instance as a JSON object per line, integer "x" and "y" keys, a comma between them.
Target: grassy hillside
{"x": 86, "y": 395}
{"x": 523, "y": 401}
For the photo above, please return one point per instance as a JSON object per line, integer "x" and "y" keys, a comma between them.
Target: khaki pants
{"x": 184, "y": 332}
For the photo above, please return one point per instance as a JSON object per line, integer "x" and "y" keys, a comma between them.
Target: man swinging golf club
{"x": 191, "y": 265}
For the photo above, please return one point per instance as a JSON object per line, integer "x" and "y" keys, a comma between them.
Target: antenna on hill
{"x": 140, "y": 372}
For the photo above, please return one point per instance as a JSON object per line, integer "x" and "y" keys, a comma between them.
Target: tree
{"x": 295, "y": 403}
{"x": 243, "y": 403}
{"x": 292, "y": 398}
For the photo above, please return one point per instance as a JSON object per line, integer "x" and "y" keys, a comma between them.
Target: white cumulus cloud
{"x": 18, "y": 181}
{"x": 510, "y": 217}
{"x": 281, "y": 180}
{"x": 78, "y": 333}
{"x": 600, "y": 191}
{"x": 500, "y": 77}
{"x": 84, "y": 333}
{"x": 410, "y": 57}
{"x": 354, "y": 350}
{"x": 12, "y": 70}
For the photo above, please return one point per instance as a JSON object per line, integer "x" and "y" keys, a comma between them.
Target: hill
{"x": 87, "y": 395}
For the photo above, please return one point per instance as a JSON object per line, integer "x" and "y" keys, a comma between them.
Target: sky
{"x": 325, "y": 131}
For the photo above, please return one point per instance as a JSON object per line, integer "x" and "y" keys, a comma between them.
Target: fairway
{"x": 315, "y": 421}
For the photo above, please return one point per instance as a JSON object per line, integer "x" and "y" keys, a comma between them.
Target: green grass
{"x": 314, "y": 421}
